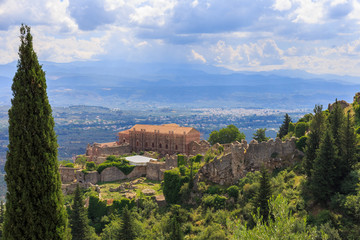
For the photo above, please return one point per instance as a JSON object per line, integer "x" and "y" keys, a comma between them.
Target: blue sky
{"x": 243, "y": 35}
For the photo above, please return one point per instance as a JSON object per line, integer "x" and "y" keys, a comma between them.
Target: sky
{"x": 318, "y": 36}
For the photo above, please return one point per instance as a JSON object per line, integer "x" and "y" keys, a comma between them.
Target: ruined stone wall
{"x": 98, "y": 152}
{"x": 113, "y": 174}
{"x": 154, "y": 171}
{"x": 243, "y": 158}
{"x": 67, "y": 174}
{"x": 198, "y": 147}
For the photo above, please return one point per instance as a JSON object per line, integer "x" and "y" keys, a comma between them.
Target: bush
{"x": 97, "y": 209}
{"x": 233, "y": 191}
{"x": 122, "y": 166}
{"x": 301, "y": 143}
{"x": 300, "y": 129}
{"x": 118, "y": 205}
{"x": 81, "y": 160}
{"x": 70, "y": 165}
{"x": 90, "y": 166}
{"x": 172, "y": 185}
{"x": 214, "y": 201}
{"x": 214, "y": 189}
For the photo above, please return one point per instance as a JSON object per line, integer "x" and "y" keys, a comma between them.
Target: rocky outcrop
{"x": 243, "y": 158}
{"x": 343, "y": 104}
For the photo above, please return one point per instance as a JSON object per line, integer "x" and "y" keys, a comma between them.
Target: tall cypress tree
{"x": 127, "y": 229}
{"x": 34, "y": 201}
{"x": 79, "y": 222}
{"x": 314, "y": 138}
{"x": 349, "y": 143}
{"x": 323, "y": 182}
{"x": 284, "y": 128}
{"x": 263, "y": 195}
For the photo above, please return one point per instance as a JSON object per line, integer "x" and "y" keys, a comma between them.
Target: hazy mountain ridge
{"x": 129, "y": 85}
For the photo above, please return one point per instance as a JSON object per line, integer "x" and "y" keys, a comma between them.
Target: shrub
{"x": 172, "y": 185}
{"x": 181, "y": 160}
{"x": 198, "y": 158}
{"x": 97, "y": 209}
{"x": 70, "y": 165}
{"x": 182, "y": 170}
{"x": 122, "y": 166}
{"x": 300, "y": 129}
{"x": 90, "y": 166}
{"x": 301, "y": 143}
{"x": 233, "y": 191}
{"x": 81, "y": 160}
{"x": 214, "y": 189}
{"x": 214, "y": 201}
{"x": 118, "y": 205}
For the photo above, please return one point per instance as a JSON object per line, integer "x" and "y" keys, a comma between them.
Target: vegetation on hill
{"x": 226, "y": 135}
{"x": 34, "y": 201}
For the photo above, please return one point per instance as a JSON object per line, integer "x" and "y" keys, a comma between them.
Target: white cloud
{"x": 309, "y": 11}
{"x": 198, "y": 56}
{"x": 282, "y": 5}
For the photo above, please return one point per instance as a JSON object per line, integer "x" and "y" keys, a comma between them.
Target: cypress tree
{"x": 34, "y": 201}
{"x": 324, "y": 176}
{"x": 174, "y": 227}
{"x": 314, "y": 138}
{"x": 284, "y": 128}
{"x": 349, "y": 144}
{"x": 127, "y": 229}
{"x": 263, "y": 195}
{"x": 79, "y": 222}
{"x": 336, "y": 120}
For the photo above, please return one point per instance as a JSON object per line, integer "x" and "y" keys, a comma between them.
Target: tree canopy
{"x": 226, "y": 135}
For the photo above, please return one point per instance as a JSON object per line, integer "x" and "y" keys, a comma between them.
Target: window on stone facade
{"x": 175, "y": 147}
{"x": 166, "y": 146}
{"x": 145, "y": 144}
{"x": 160, "y": 145}
{"x": 124, "y": 140}
{"x": 152, "y": 144}
{"x": 137, "y": 143}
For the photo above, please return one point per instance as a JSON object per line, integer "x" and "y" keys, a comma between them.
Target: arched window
{"x": 146, "y": 144}
{"x": 175, "y": 147}
{"x": 137, "y": 143}
{"x": 166, "y": 146}
{"x": 124, "y": 140}
{"x": 153, "y": 145}
{"x": 160, "y": 145}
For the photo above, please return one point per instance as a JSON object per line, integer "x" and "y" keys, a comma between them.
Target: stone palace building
{"x": 165, "y": 139}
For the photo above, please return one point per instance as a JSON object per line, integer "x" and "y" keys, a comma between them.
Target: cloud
{"x": 197, "y": 56}
{"x": 89, "y": 14}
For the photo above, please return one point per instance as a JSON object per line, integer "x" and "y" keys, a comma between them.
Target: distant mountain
{"x": 144, "y": 85}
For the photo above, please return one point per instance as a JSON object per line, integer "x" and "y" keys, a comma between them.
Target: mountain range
{"x": 118, "y": 84}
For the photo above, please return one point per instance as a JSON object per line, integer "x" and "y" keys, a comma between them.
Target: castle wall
{"x": 98, "y": 152}
{"x": 153, "y": 171}
{"x": 114, "y": 174}
{"x": 243, "y": 158}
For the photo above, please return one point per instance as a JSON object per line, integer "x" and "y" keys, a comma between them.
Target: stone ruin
{"x": 241, "y": 158}
{"x": 343, "y": 104}
{"x": 98, "y": 152}
{"x": 237, "y": 160}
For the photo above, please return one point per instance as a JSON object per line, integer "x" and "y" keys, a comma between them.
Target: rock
{"x": 148, "y": 192}
{"x": 160, "y": 200}
{"x": 130, "y": 195}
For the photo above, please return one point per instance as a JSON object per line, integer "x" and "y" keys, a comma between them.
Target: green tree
{"x": 2, "y": 212}
{"x": 336, "y": 120}
{"x": 174, "y": 227}
{"x": 314, "y": 138}
{"x": 300, "y": 129}
{"x": 263, "y": 195}
{"x": 260, "y": 135}
{"x": 34, "y": 201}
{"x": 226, "y": 135}
{"x": 284, "y": 128}
{"x": 349, "y": 144}
{"x": 324, "y": 175}
{"x": 127, "y": 227}
{"x": 79, "y": 222}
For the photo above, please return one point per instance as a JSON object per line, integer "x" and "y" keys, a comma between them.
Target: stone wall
{"x": 114, "y": 174}
{"x": 198, "y": 147}
{"x": 243, "y": 158}
{"x": 67, "y": 174}
{"x": 99, "y": 151}
{"x": 154, "y": 170}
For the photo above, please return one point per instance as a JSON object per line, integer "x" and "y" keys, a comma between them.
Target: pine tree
{"x": 174, "y": 226}
{"x": 349, "y": 144}
{"x": 336, "y": 120}
{"x": 34, "y": 201}
{"x": 127, "y": 229}
{"x": 263, "y": 195}
{"x": 284, "y": 128}
{"x": 324, "y": 176}
{"x": 314, "y": 138}
{"x": 79, "y": 222}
